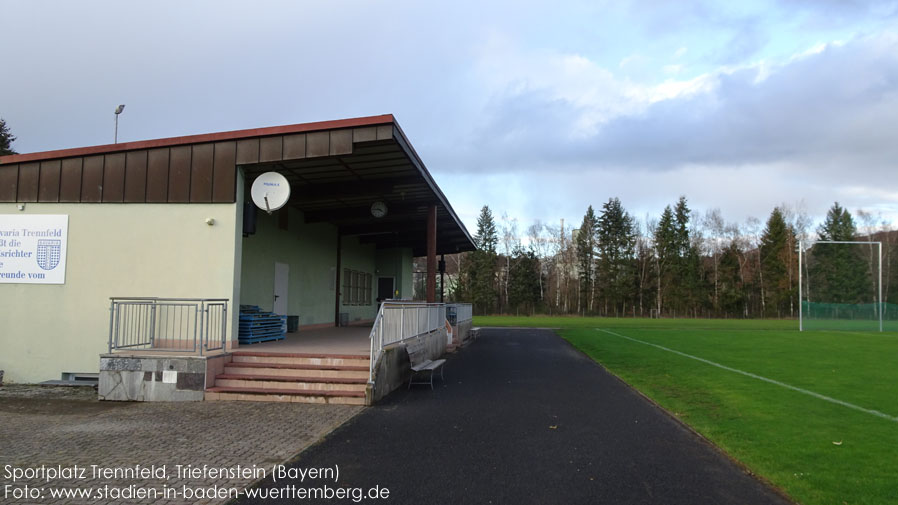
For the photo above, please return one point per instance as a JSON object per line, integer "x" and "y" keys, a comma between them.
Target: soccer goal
{"x": 840, "y": 286}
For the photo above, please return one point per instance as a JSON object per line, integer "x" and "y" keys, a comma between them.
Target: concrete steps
{"x": 306, "y": 378}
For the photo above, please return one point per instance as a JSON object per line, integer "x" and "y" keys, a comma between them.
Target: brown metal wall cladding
{"x": 193, "y": 173}
{"x": 271, "y": 148}
{"x": 179, "y": 175}
{"x": 136, "y": 177}
{"x": 157, "y": 175}
{"x": 295, "y": 146}
{"x": 247, "y": 151}
{"x": 114, "y": 178}
{"x": 201, "y": 173}
{"x": 70, "y": 180}
{"x": 49, "y": 181}
{"x": 9, "y": 183}
{"x": 224, "y": 177}
{"x": 317, "y": 144}
{"x": 341, "y": 142}
{"x": 29, "y": 175}
{"x": 92, "y": 179}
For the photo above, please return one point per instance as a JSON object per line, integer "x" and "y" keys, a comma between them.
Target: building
{"x": 172, "y": 219}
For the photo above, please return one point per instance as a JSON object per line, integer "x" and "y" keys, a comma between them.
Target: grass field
{"x": 831, "y": 438}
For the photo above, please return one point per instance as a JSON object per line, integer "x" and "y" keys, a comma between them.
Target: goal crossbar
{"x": 857, "y": 242}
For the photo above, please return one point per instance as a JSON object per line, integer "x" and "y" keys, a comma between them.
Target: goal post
{"x": 840, "y": 286}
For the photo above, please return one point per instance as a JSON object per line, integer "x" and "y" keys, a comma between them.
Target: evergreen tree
{"x": 586, "y": 253}
{"x": 481, "y": 267}
{"x": 524, "y": 280}
{"x": 839, "y": 273}
{"x": 665, "y": 241}
{"x": 775, "y": 258}
{"x": 616, "y": 263}
{"x": 681, "y": 236}
{"x": 6, "y": 139}
{"x": 731, "y": 292}
{"x": 685, "y": 261}
{"x": 486, "y": 238}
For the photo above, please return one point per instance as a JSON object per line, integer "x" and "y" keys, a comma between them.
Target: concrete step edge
{"x": 291, "y": 378}
{"x": 294, "y": 392}
{"x": 297, "y": 366}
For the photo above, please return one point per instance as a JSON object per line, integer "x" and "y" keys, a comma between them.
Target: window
{"x": 357, "y": 287}
{"x": 367, "y": 289}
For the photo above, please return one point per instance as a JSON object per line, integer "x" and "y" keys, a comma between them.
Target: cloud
{"x": 817, "y": 126}
{"x": 829, "y": 108}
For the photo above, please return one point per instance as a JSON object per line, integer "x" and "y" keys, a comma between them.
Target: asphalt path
{"x": 521, "y": 418}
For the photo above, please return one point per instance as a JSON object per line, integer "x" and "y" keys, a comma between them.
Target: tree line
{"x": 679, "y": 264}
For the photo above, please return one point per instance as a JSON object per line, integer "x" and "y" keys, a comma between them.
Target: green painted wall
{"x": 359, "y": 257}
{"x": 311, "y": 252}
{"x": 396, "y": 263}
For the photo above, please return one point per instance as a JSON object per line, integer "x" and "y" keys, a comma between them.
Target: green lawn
{"x": 784, "y": 435}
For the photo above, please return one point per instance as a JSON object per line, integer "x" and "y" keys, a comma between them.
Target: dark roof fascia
{"x": 198, "y": 139}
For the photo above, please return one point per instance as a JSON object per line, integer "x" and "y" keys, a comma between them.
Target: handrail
{"x": 459, "y": 312}
{"x": 398, "y": 321}
{"x": 168, "y": 324}
{"x": 376, "y": 342}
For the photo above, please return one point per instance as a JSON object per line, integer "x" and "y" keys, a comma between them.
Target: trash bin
{"x": 292, "y": 324}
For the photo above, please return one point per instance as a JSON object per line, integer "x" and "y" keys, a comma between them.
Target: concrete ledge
{"x": 464, "y": 333}
{"x": 156, "y": 378}
{"x": 393, "y": 369}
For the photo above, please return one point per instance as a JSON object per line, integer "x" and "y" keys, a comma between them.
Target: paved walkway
{"x": 522, "y": 418}
{"x": 68, "y": 429}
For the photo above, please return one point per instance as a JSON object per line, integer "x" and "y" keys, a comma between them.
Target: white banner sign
{"x": 33, "y": 248}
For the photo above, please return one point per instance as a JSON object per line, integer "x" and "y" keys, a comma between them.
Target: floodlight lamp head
{"x": 119, "y": 109}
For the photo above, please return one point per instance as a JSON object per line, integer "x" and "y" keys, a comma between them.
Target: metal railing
{"x": 459, "y": 313}
{"x": 168, "y": 324}
{"x": 398, "y": 321}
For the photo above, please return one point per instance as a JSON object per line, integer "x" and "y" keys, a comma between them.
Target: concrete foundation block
{"x": 152, "y": 379}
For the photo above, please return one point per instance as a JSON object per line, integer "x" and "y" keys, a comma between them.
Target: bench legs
{"x": 412, "y": 378}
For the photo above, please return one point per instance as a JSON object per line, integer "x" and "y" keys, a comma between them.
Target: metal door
{"x": 384, "y": 288}
{"x": 281, "y": 283}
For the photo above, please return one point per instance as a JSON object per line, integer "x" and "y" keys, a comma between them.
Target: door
{"x": 281, "y": 282}
{"x": 384, "y": 288}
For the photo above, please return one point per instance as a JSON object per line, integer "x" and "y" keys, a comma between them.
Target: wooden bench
{"x": 417, "y": 356}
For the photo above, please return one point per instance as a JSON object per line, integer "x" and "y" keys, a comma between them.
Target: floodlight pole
{"x": 118, "y": 110}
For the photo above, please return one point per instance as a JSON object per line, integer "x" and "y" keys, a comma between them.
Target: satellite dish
{"x": 270, "y": 191}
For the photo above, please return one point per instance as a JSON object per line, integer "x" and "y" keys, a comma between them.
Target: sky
{"x": 537, "y": 109}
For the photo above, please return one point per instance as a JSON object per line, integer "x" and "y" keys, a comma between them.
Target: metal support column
{"x": 337, "y": 280}
{"x": 442, "y": 282}
{"x": 431, "y": 253}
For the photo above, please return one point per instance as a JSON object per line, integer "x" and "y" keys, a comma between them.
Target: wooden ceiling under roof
{"x": 336, "y": 170}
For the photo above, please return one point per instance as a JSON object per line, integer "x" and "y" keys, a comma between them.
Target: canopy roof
{"x": 336, "y": 170}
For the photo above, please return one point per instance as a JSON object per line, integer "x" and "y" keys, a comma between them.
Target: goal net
{"x": 841, "y": 287}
